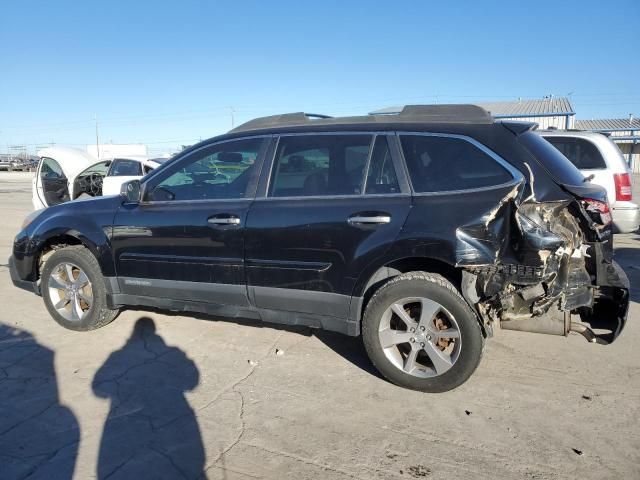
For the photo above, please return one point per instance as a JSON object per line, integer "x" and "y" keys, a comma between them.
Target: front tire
{"x": 74, "y": 291}
{"x": 421, "y": 334}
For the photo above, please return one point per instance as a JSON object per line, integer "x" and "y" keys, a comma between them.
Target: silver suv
{"x": 599, "y": 159}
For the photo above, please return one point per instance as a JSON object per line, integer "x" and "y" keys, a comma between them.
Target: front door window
{"x": 222, "y": 171}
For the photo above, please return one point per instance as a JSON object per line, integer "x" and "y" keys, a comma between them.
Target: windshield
{"x": 99, "y": 168}
{"x": 550, "y": 158}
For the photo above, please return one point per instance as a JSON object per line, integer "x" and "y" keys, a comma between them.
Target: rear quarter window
{"x": 550, "y": 158}
{"x": 582, "y": 153}
{"x": 441, "y": 163}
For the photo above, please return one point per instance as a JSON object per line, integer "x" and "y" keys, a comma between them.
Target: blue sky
{"x": 166, "y": 73}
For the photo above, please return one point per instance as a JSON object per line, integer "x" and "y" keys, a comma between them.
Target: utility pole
{"x": 95, "y": 116}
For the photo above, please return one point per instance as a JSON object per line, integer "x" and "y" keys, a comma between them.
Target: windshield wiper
{"x": 589, "y": 178}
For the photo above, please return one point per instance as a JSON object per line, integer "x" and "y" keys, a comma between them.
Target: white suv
{"x": 599, "y": 159}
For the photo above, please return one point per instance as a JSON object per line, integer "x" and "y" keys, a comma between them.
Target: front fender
{"x": 88, "y": 221}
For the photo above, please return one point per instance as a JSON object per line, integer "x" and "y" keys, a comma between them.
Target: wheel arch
{"x": 369, "y": 282}
{"x": 60, "y": 238}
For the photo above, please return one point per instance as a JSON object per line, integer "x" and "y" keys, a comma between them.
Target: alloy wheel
{"x": 420, "y": 337}
{"x": 70, "y": 291}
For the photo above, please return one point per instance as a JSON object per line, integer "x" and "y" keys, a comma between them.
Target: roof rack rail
{"x": 440, "y": 113}
{"x": 283, "y": 120}
{"x": 472, "y": 114}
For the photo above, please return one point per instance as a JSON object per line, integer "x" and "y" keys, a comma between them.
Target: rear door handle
{"x": 223, "y": 220}
{"x": 370, "y": 219}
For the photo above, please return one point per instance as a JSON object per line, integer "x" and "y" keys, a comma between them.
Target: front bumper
{"x": 19, "y": 282}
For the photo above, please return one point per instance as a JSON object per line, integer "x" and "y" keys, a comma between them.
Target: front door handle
{"x": 223, "y": 220}
{"x": 370, "y": 219}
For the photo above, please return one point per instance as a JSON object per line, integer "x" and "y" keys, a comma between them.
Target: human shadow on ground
{"x": 151, "y": 430}
{"x": 350, "y": 348}
{"x": 38, "y": 436}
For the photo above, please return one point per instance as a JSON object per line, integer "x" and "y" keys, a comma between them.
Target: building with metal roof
{"x": 550, "y": 112}
{"x": 610, "y": 125}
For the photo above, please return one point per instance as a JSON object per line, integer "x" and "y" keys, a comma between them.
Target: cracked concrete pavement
{"x": 171, "y": 396}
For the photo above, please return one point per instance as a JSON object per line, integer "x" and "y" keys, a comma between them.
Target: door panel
{"x": 305, "y": 253}
{"x": 51, "y": 183}
{"x": 309, "y": 245}
{"x": 162, "y": 249}
{"x": 185, "y": 241}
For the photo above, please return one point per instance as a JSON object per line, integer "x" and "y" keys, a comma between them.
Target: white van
{"x": 599, "y": 159}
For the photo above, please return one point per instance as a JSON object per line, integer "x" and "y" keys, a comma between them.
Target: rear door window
{"x": 125, "y": 168}
{"x": 319, "y": 165}
{"x": 381, "y": 177}
{"x": 443, "y": 163}
{"x": 582, "y": 153}
{"x": 550, "y": 158}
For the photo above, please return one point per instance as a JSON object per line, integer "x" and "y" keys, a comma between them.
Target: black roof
{"x": 410, "y": 114}
{"x": 470, "y": 120}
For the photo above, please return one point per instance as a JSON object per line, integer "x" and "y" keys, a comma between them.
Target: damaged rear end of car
{"x": 541, "y": 260}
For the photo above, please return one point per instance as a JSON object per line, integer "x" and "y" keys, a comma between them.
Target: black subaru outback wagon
{"x": 423, "y": 231}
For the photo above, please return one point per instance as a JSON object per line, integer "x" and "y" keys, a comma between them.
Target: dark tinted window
{"x": 582, "y": 153}
{"x": 51, "y": 169}
{"x": 381, "y": 177}
{"x": 220, "y": 171}
{"x": 561, "y": 169}
{"x": 311, "y": 165}
{"x": 439, "y": 164}
{"x": 125, "y": 168}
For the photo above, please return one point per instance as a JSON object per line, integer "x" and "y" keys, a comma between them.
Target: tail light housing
{"x": 598, "y": 211}
{"x": 623, "y": 187}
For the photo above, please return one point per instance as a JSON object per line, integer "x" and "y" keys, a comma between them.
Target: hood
{"x": 71, "y": 160}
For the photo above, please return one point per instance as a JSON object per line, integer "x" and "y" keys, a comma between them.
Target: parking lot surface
{"x": 181, "y": 396}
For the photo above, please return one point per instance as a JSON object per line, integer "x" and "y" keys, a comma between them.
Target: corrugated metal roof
{"x": 609, "y": 124}
{"x": 536, "y": 107}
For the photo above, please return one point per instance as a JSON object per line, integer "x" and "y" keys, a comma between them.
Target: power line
{"x": 372, "y": 101}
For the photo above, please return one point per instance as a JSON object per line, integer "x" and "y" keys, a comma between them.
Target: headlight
{"x": 31, "y": 217}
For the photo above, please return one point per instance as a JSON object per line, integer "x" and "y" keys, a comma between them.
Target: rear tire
{"x": 421, "y": 334}
{"x": 74, "y": 291}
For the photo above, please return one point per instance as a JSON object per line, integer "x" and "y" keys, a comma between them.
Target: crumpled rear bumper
{"x": 609, "y": 314}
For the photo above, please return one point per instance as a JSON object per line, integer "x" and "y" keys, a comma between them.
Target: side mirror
{"x": 130, "y": 191}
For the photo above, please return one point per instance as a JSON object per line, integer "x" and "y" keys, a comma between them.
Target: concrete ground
{"x": 167, "y": 396}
